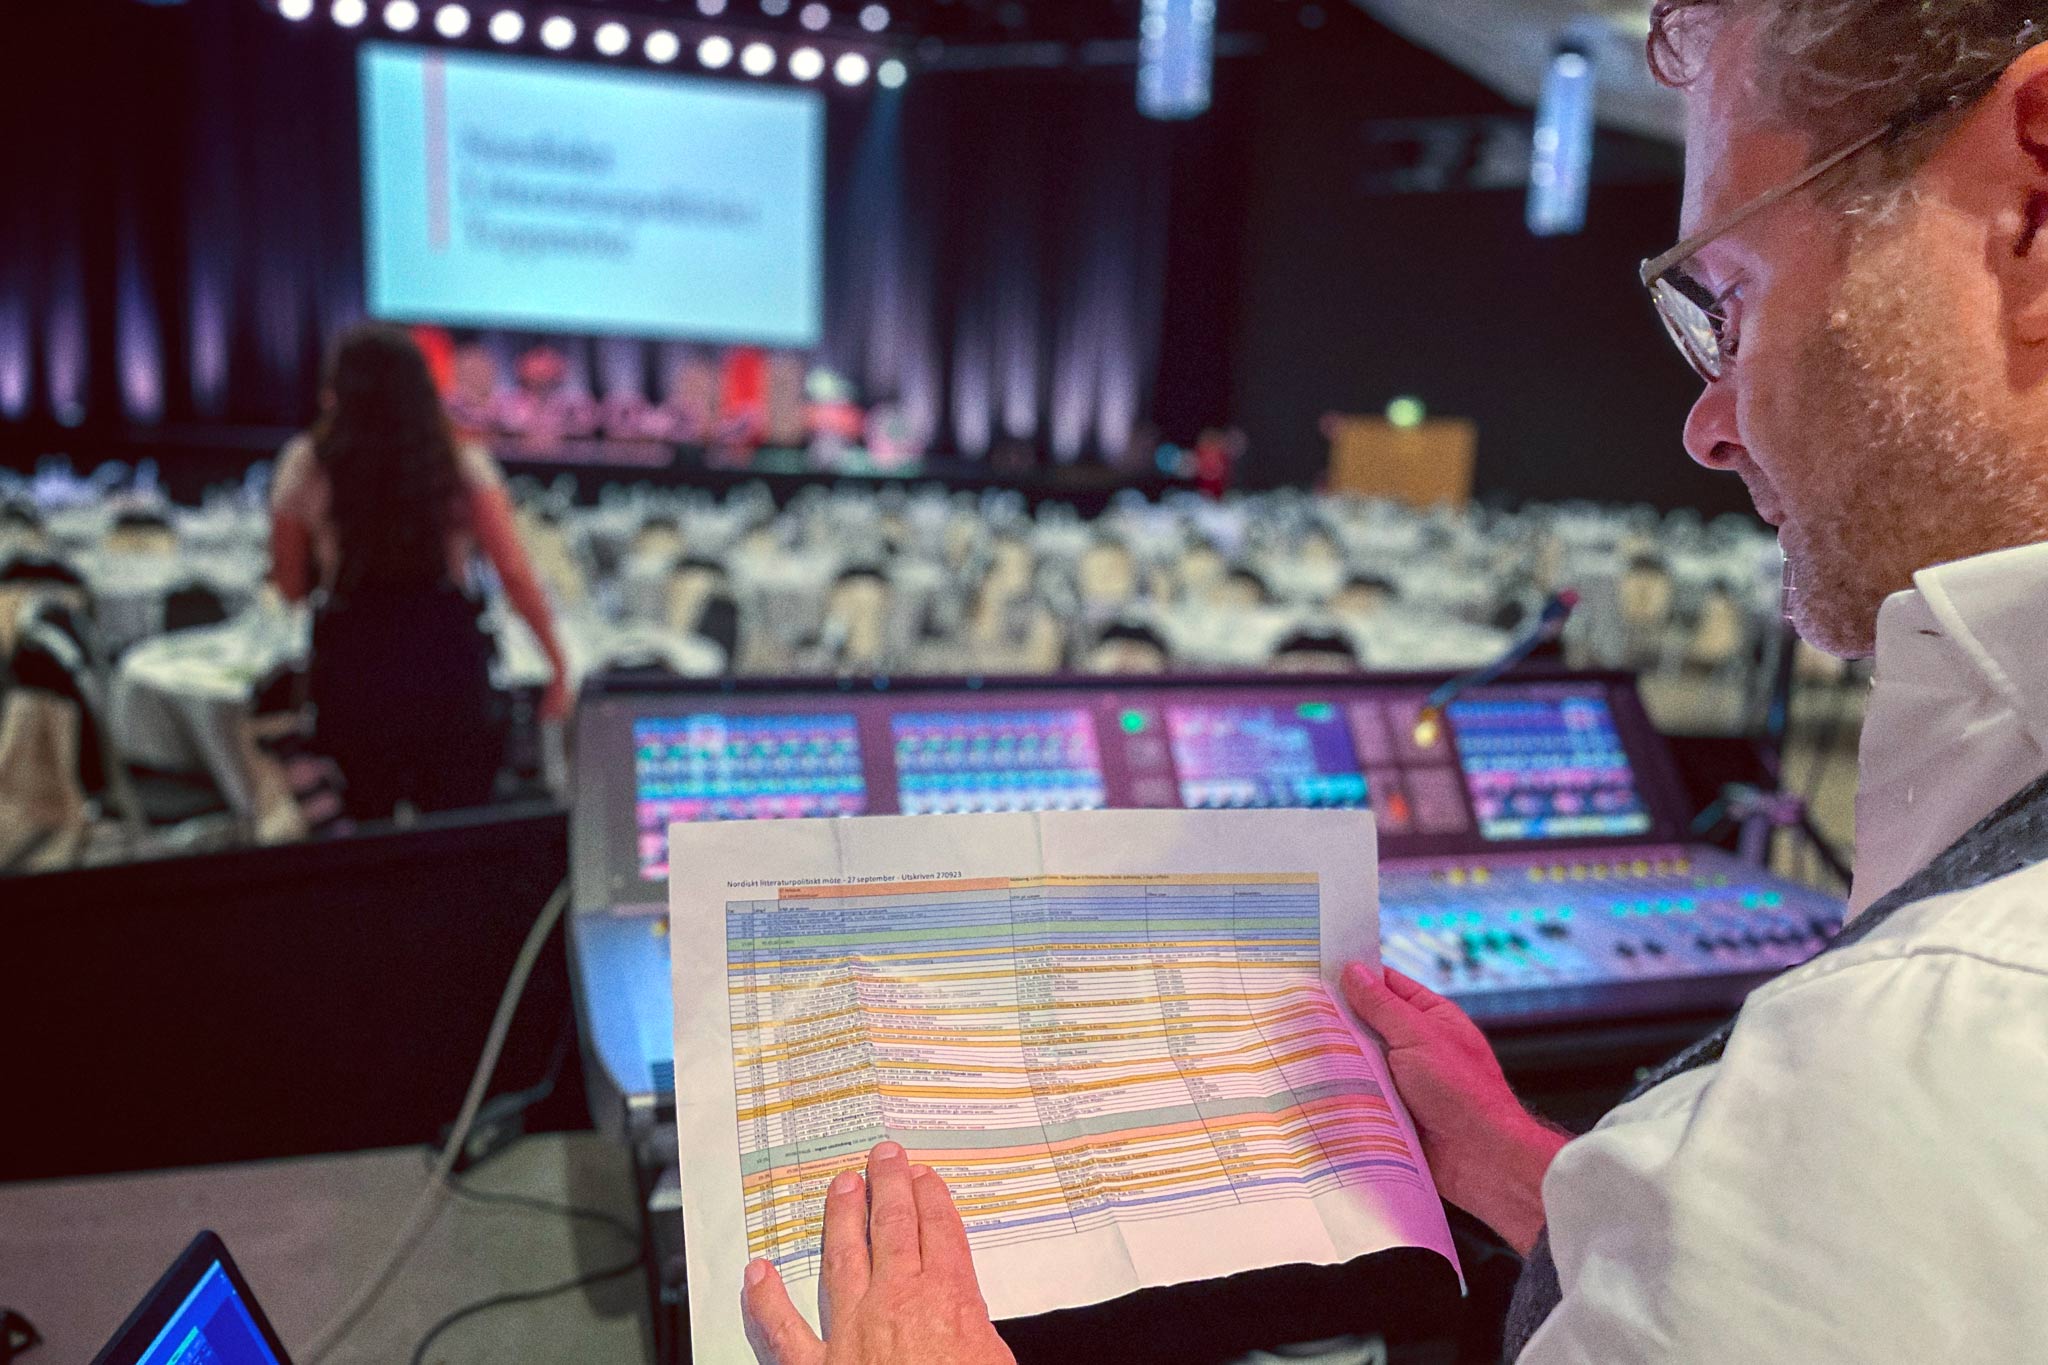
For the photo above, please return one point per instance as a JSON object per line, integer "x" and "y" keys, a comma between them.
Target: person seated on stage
{"x": 546, "y": 409}
{"x": 1855, "y": 1170}
{"x": 689, "y": 410}
{"x": 377, "y": 514}
{"x": 476, "y": 398}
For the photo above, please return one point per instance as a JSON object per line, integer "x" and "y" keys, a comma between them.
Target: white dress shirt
{"x": 1864, "y": 1174}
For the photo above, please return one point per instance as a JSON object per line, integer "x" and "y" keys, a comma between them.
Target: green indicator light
{"x": 1315, "y": 710}
{"x": 1134, "y": 722}
{"x": 1425, "y": 921}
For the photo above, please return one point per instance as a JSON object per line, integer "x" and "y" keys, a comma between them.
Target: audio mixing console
{"x": 1530, "y": 858}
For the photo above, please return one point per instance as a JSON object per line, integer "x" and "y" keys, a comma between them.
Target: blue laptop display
{"x": 200, "y": 1313}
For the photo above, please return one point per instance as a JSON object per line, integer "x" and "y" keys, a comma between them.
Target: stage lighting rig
{"x": 557, "y": 33}
{"x": 891, "y": 74}
{"x": 874, "y": 18}
{"x": 814, "y": 16}
{"x": 757, "y": 59}
{"x": 1561, "y": 160}
{"x": 451, "y": 21}
{"x": 715, "y": 52}
{"x": 710, "y": 9}
{"x": 402, "y": 16}
{"x": 851, "y": 69}
{"x": 295, "y": 10}
{"x": 612, "y": 38}
{"x": 507, "y": 26}
{"x": 807, "y": 63}
{"x": 349, "y": 13}
{"x": 662, "y": 47}
{"x": 1176, "y": 56}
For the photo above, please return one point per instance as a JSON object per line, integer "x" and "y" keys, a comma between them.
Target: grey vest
{"x": 2010, "y": 838}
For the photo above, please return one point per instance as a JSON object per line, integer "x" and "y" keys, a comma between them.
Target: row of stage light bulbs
{"x": 558, "y": 33}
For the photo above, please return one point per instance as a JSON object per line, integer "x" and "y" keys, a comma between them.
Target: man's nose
{"x": 1710, "y": 427}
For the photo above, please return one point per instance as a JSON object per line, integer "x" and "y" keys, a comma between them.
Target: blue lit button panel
{"x": 1487, "y": 932}
{"x": 949, "y": 762}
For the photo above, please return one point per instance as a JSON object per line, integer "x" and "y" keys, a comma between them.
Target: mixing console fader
{"x": 1535, "y": 938}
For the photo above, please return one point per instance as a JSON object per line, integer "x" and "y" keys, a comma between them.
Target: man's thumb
{"x": 1387, "y": 1014}
{"x": 775, "y": 1329}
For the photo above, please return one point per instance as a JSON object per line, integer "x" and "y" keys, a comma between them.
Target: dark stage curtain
{"x": 183, "y": 232}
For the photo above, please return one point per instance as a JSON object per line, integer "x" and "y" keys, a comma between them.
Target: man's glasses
{"x": 1694, "y": 315}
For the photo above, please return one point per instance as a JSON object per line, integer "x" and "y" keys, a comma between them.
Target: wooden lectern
{"x": 1423, "y": 465}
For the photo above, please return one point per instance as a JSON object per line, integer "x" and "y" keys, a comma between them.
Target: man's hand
{"x": 1487, "y": 1152}
{"x": 898, "y": 1285}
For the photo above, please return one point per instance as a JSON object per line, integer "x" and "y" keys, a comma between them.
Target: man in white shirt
{"x": 1858, "y": 1170}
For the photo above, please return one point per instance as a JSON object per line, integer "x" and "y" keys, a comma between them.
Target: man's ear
{"x": 2024, "y": 92}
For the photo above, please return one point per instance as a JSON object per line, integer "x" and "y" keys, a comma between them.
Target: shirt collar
{"x": 1980, "y": 622}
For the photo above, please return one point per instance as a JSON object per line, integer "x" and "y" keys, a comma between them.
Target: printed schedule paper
{"x": 1114, "y": 1033}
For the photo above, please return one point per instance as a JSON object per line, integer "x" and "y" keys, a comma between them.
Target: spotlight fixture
{"x": 507, "y": 26}
{"x": 557, "y": 33}
{"x": 401, "y": 16}
{"x": 451, "y": 21}
{"x": 662, "y": 47}
{"x": 1176, "y": 57}
{"x": 295, "y": 10}
{"x": 757, "y": 59}
{"x": 710, "y": 9}
{"x": 349, "y": 13}
{"x": 807, "y": 63}
{"x": 814, "y": 16}
{"x": 850, "y": 69}
{"x": 874, "y": 18}
{"x": 891, "y": 74}
{"x": 774, "y": 9}
{"x": 612, "y": 38}
{"x": 714, "y": 52}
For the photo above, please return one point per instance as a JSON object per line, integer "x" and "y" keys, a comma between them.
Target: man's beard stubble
{"x": 1918, "y": 471}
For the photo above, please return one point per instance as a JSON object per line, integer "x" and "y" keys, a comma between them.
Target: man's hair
{"x": 1838, "y": 69}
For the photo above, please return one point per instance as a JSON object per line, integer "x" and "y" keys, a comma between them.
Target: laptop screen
{"x": 211, "y": 1327}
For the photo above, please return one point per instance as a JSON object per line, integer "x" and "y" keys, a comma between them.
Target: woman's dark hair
{"x": 389, "y": 455}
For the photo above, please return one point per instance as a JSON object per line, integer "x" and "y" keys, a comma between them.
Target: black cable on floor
{"x": 419, "y": 1353}
{"x": 459, "y": 1187}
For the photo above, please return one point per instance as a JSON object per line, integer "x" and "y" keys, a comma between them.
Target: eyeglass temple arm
{"x": 1657, "y": 266}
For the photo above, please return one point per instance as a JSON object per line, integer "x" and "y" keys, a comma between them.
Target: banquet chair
{"x": 28, "y": 580}
{"x": 141, "y": 531}
{"x": 1364, "y": 595}
{"x": 56, "y": 663}
{"x": 21, "y": 530}
{"x": 1124, "y": 647}
{"x": 1315, "y": 649}
{"x": 1644, "y": 596}
{"x": 193, "y": 604}
{"x": 719, "y": 622}
{"x": 658, "y": 538}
